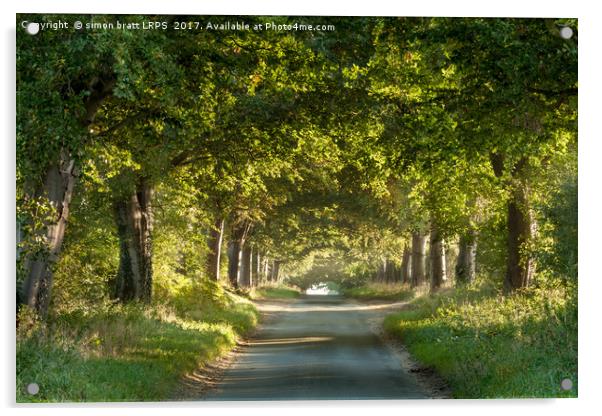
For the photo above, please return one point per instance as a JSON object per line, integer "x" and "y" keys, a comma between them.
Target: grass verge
{"x": 491, "y": 346}
{"x": 379, "y": 291}
{"x": 274, "y": 292}
{"x": 125, "y": 353}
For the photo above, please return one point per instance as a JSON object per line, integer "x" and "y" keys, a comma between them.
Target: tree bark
{"x": 418, "y": 259}
{"x": 467, "y": 255}
{"x": 134, "y": 218}
{"x": 235, "y": 248}
{"x": 234, "y": 257}
{"x": 245, "y": 266}
{"x": 390, "y": 271}
{"x": 437, "y": 254}
{"x": 275, "y": 271}
{"x": 520, "y": 264}
{"x": 57, "y": 189}
{"x": 381, "y": 272}
{"x": 387, "y": 271}
{"x": 521, "y": 228}
{"x": 214, "y": 243}
{"x": 256, "y": 278}
{"x": 406, "y": 265}
{"x": 266, "y": 269}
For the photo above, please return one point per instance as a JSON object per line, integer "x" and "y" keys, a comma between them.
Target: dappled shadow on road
{"x": 318, "y": 347}
{"x": 329, "y": 303}
{"x": 289, "y": 341}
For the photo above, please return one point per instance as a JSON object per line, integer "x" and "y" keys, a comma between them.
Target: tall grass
{"x": 487, "y": 345}
{"x": 126, "y": 353}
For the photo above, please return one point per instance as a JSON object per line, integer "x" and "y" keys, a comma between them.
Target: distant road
{"x": 318, "y": 347}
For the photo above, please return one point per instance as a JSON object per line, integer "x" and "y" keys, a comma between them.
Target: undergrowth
{"x": 127, "y": 353}
{"x": 487, "y": 345}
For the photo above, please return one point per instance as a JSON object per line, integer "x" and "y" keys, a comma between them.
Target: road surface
{"x": 318, "y": 347}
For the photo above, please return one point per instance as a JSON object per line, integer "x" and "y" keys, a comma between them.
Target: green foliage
{"x": 342, "y": 141}
{"x": 557, "y": 245}
{"x": 319, "y": 268}
{"x": 488, "y": 346}
{"x": 89, "y": 258}
{"x": 563, "y": 215}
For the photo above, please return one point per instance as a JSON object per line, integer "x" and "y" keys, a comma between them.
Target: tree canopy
{"x": 149, "y": 151}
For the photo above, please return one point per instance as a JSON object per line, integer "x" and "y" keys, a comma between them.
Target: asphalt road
{"x": 319, "y": 347}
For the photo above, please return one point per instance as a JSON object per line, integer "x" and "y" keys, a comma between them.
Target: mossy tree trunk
{"x": 520, "y": 222}
{"x": 134, "y": 218}
{"x": 520, "y": 266}
{"x": 57, "y": 190}
{"x": 56, "y": 187}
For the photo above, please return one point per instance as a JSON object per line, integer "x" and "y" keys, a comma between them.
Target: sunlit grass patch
{"x": 384, "y": 291}
{"x": 275, "y": 292}
{"x": 125, "y": 353}
{"x": 487, "y": 345}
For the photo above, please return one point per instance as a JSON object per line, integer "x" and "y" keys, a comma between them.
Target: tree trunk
{"x": 467, "y": 254}
{"x": 256, "y": 278}
{"x": 520, "y": 265}
{"x": 275, "y": 271}
{"x": 57, "y": 188}
{"x": 134, "y": 220}
{"x": 437, "y": 254}
{"x": 386, "y": 271}
{"x": 245, "y": 266}
{"x": 390, "y": 271}
{"x": 234, "y": 257}
{"x": 214, "y": 242}
{"x": 271, "y": 271}
{"x": 521, "y": 227}
{"x": 382, "y": 270}
{"x": 235, "y": 248}
{"x": 418, "y": 259}
{"x": 406, "y": 265}
{"x": 266, "y": 269}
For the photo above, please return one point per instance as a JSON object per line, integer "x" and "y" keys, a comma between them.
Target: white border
{"x": 507, "y": 8}
{"x": 589, "y": 195}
